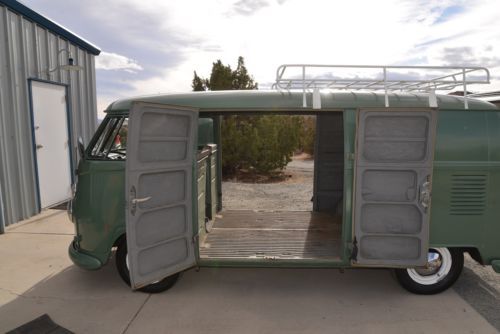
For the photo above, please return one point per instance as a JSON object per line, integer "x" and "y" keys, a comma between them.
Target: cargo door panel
{"x": 159, "y": 181}
{"x": 393, "y": 182}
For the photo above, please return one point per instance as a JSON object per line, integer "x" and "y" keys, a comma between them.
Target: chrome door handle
{"x": 140, "y": 200}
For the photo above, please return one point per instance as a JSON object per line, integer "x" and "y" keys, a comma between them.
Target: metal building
{"x": 47, "y": 101}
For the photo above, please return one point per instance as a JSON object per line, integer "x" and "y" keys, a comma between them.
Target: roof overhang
{"x": 50, "y": 25}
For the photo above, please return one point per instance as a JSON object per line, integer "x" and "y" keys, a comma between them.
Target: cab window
{"x": 111, "y": 143}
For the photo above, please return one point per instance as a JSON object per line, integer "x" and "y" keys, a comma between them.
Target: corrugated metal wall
{"x": 28, "y": 50}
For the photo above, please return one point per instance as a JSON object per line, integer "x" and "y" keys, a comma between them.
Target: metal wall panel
{"x": 27, "y": 51}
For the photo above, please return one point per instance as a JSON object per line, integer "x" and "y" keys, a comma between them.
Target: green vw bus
{"x": 401, "y": 180}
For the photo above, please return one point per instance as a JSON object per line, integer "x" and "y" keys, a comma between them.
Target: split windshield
{"x": 111, "y": 143}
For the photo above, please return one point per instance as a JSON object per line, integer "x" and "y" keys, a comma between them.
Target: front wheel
{"x": 122, "y": 266}
{"x": 443, "y": 268}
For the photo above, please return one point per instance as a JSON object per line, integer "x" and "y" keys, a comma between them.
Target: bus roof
{"x": 271, "y": 100}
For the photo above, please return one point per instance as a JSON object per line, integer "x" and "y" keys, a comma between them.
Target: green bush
{"x": 260, "y": 144}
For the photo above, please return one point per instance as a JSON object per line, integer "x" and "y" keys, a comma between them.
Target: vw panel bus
{"x": 401, "y": 180}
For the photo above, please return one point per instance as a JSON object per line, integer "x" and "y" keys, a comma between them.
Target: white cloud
{"x": 113, "y": 61}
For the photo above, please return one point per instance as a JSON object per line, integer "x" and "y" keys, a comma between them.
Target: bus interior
{"x": 313, "y": 231}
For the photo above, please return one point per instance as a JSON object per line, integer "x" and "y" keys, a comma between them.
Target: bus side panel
{"x": 100, "y": 202}
{"x": 465, "y": 202}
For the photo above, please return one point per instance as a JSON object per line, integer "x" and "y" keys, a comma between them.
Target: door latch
{"x": 425, "y": 195}
{"x": 354, "y": 250}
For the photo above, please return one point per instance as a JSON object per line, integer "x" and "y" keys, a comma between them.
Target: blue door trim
{"x": 2, "y": 219}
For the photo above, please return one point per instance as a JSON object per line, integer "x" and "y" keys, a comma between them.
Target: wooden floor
{"x": 242, "y": 234}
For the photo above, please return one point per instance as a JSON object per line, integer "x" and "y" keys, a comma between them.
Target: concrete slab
{"x": 49, "y": 222}
{"x": 302, "y": 301}
{"x": 81, "y": 301}
{"x": 37, "y": 277}
{"x": 28, "y": 258}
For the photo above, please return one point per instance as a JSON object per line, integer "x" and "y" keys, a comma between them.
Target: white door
{"x": 50, "y": 127}
{"x": 159, "y": 191}
{"x": 395, "y": 151}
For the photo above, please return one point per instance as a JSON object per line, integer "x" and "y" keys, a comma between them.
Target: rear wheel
{"x": 443, "y": 268}
{"x": 121, "y": 258}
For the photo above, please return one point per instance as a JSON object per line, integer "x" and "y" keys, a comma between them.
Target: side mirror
{"x": 81, "y": 148}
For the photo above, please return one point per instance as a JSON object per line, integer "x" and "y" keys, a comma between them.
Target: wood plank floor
{"x": 240, "y": 234}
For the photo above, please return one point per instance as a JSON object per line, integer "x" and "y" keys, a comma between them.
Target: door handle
{"x": 140, "y": 200}
{"x": 39, "y": 146}
{"x": 134, "y": 201}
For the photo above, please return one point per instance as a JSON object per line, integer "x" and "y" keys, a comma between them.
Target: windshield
{"x": 111, "y": 143}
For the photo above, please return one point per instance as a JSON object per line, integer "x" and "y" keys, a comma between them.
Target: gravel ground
{"x": 294, "y": 194}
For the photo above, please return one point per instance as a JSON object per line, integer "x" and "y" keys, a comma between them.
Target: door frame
{"x": 354, "y": 243}
{"x": 33, "y": 139}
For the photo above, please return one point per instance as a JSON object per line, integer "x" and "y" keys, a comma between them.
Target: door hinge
{"x": 354, "y": 251}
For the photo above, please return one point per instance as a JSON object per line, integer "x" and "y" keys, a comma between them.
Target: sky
{"x": 153, "y": 46}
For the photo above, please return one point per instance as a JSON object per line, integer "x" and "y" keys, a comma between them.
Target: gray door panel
{"x": 394, "y": 157}
{"x": 159, "y": 181}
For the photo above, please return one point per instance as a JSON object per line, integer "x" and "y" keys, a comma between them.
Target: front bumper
{"x": 81, "y": 259}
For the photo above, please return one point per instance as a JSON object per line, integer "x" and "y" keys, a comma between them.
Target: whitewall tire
{"x": 443, "y": 268}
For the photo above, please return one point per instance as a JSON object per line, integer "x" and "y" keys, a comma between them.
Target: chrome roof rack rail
{"x": 428, "y": 79}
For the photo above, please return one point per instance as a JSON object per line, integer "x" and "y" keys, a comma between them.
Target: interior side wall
{"x": 329, "y": 163}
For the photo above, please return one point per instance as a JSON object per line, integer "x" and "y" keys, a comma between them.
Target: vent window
{"x": 468, "y": 194}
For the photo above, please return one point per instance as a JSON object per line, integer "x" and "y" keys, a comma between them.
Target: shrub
{"x": 261, "y": 144}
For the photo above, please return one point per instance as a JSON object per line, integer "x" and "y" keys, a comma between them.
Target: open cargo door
{"x": 159, "y": 183}
{"x": 394, "y": 156}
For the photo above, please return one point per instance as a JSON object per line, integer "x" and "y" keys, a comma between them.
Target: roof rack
{"x": 427, "y": 79}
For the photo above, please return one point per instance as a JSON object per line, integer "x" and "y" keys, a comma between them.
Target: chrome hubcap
{"x": 438, "y": 267}
{"x": 434, "y": 262}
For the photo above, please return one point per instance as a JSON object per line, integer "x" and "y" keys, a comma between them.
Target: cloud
{"x": 457, "y": 55}
{"x": 113, "y": 61}
{"x": 248, "y": 7}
